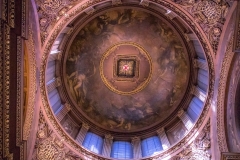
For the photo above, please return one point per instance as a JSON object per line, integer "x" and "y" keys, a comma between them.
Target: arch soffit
{"x": 224, "y": 59}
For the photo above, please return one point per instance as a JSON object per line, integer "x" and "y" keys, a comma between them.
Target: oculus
{"x": 126, "y": 68}
{"x": 130, "y": 73}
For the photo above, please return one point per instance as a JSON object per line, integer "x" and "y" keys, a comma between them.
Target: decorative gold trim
{"x": 11, "y": 16}
{"x": 104, "y": 79}
{"x": 6, "y": 87}
{"x": 1, "y": 87}
{"x": 19, "y": 91}
{"x": 4, "y": 10}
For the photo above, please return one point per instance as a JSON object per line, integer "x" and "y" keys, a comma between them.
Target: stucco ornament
{"x": 199, "y": 149}
{"x": 48, "y": 146}
{"x": 51, "y": 6}
{"x": 50, "y": 11}
{"x": 210, "y": 15}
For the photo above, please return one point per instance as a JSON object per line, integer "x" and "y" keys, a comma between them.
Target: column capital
{"x": 108, "y": 136}
{"x": 59, "y": 55}
{"x": 135, "y": 139}
{"x": 160, "y": 130}
{"x": 58, "y": 80}
{"x": 85, "y": 125}
{"x": 180, "y": 113}
{"x": 68, "y": 106}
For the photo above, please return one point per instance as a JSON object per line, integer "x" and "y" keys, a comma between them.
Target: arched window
{"x": 150, "y": 146}
{"x": 93, "y": 143}
{"x": 195, "y": 108}
{"x": 203, "y": 79}
{"x": 54, "y": 100}
{"x": 122, "y": 150}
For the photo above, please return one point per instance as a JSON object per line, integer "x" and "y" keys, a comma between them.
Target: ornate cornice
{"x": 171, "y": 6}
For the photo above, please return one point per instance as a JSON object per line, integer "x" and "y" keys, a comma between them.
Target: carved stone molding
{"x": 230, "y": 156}
{"x": 220, "y": 99}
{"x": 6, "y": 90}
{"x": 1, "y": 85}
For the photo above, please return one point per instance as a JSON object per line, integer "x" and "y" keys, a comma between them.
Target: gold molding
{"x": 1, "y": 86}
{"x": 6, "y": 89}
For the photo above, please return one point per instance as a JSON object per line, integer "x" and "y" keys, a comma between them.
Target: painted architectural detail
{"x": 199, "y": 149}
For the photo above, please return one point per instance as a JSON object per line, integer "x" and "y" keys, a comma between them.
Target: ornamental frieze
{"x": 210, "y": 15}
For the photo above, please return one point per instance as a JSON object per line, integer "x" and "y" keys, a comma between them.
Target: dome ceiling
{"x": 126, "y": 70}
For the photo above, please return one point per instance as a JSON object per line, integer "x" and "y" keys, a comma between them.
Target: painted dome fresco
{"x": 126, "y": 70}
